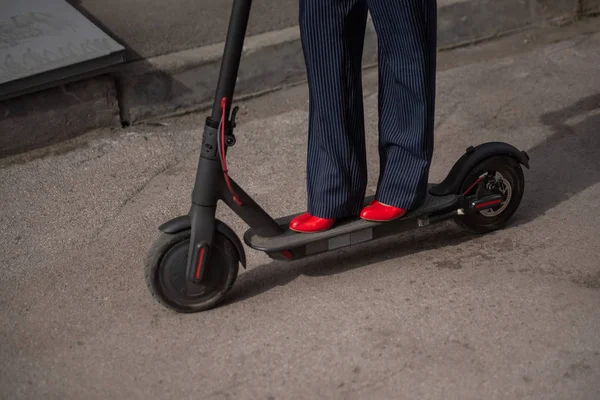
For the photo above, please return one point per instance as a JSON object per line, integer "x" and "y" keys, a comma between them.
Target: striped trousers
{"x": 332, "y": 33}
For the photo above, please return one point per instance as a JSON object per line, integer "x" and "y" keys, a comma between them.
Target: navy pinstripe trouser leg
{"x": 332, "y": 33}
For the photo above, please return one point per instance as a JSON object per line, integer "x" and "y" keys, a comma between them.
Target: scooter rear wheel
{"x": 505, "y": 177}
{"x": 165, "y": 273}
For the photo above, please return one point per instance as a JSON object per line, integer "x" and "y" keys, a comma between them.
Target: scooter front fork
{"x": 205, "y": 196}
{"x": 210, "y": 187}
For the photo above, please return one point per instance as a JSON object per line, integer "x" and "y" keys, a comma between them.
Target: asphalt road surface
{"x": 153, "y": 27}
{"x": 431, "y": 314}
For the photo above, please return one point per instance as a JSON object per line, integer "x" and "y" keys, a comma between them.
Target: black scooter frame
{"x": 210, "y": 185}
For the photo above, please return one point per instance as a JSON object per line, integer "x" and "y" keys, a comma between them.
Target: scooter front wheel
{"x": 165, "y": 272}
{"x": 500, "y": 175}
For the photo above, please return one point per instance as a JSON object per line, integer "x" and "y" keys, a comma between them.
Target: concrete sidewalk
{"x": 433, "y": 314}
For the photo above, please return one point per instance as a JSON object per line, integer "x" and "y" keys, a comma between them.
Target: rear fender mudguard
{"x": 182, "y": 223}
{"x": 473, "y": 156}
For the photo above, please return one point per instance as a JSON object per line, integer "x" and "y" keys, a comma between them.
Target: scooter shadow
{"x": 566, "y": 163}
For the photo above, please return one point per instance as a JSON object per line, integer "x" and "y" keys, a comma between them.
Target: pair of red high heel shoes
{"x": 376, "y": 212}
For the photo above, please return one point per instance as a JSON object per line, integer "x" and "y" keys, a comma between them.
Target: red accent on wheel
{"x": 200, "y": 262}
{"x": 488, "y": 203}
{"x": 287, "y": 254}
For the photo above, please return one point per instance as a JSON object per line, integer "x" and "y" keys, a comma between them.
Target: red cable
{"x": 224, "y": 154}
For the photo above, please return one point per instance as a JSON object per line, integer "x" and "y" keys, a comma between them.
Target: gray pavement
{"x": 432, "y": 314}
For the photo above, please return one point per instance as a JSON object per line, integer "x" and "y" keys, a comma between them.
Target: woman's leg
{"x": 406, "y": 32}
{"x": 332, "y": 33}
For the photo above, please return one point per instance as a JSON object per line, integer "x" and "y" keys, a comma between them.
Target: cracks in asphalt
{"x": 384, "y": 378}
{"x": 589, "y": 281}
{"x": 131, "y": 196}
{"x": 447, "y": 116}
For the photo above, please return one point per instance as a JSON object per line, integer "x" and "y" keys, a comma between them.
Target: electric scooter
{"x": 195, "y": 259}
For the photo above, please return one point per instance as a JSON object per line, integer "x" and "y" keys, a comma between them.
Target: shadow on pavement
{"x": 563, "y": 165}
{"x": 566, "y": 163}
{"x": 161, "y": 93}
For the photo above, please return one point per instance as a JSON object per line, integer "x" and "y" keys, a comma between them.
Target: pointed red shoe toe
{"x": 379, "y": 212}
{"x": 298, "y": 220}
{"x": 307, "y": 223}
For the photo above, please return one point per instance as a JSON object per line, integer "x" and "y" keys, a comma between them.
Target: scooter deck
{"x": 348, "y": 231}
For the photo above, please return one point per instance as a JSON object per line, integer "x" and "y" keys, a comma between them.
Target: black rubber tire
{"x": 511, "y": 170}
{"x": 164, "y": 271}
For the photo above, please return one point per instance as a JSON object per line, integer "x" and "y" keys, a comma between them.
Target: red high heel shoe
{"x": 307, "y": 223}
{"x": 379, "y": 212}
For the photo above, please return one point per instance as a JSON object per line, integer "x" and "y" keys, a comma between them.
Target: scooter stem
{"x": 232, "y": 54}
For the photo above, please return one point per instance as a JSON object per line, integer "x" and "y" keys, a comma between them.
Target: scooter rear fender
{"x": 473, "y": 156}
